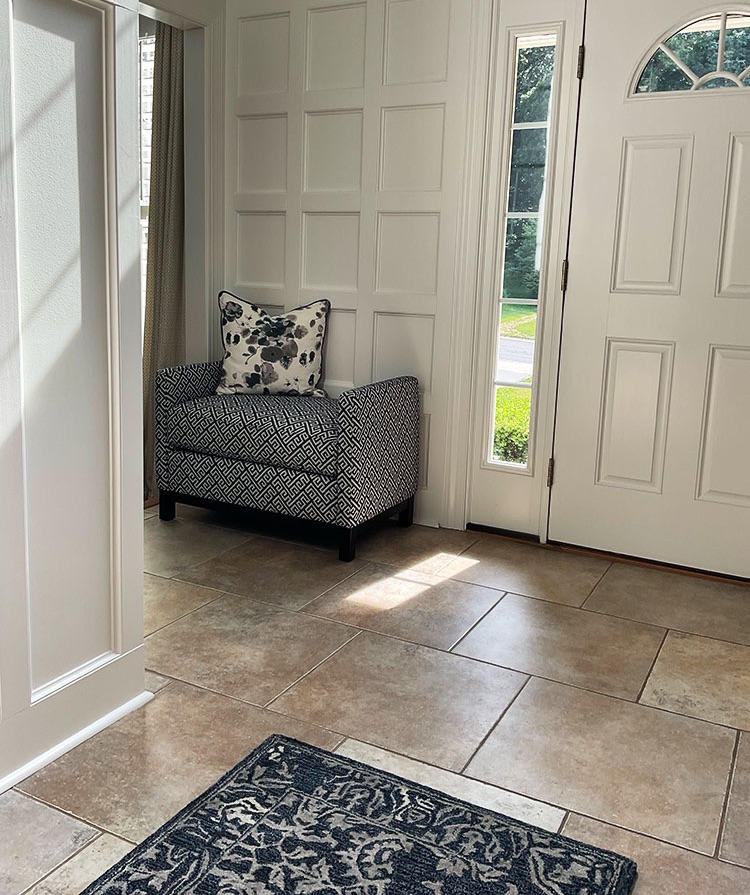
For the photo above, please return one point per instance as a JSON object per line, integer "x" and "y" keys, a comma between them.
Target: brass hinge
{"x": 550, "y": 472}
{"x": 581, "y": 58}
{"x": 564, "y": 276}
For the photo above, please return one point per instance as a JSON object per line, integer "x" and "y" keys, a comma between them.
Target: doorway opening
{"x": 172, "y": 188}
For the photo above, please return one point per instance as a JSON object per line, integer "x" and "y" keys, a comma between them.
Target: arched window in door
{"x": 711, "y": 52}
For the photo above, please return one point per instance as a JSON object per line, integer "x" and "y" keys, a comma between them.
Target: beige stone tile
{"x": 421, "y": 702}
{"x": 650, "y": 771}
{"x": 406, "y": 604}
{"x": 673, "y": 600}
{"x": 472, "y": 791}
{"x": 528, "y": 569}
{"x": 83, "y": 868}
{"x": 418, "y": 547}
{"x": 166, "y": 599}
{"x": 662, "y": 869}
{"x": 150, "y": 512}
{"x": 703, "y": 678}
{"x": 609, "y": 655}
{"x": 286, "y": 575}
{"x": 243, "y": 649}
{"x": 735, "y": 843}
{"x": 155, "y": 682}
{"x": 173, "y": 547}
{"x": 34, "y": 840}
{"x": 136, "y": 774}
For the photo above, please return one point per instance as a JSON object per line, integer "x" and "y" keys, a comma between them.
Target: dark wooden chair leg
{"x": 166, "y": 506}
{"x": 406, "y": 516}
{"x": 347, "y": 544}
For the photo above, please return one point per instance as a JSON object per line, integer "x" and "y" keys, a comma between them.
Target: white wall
{"x": 70, "y": 426}
{"x": 345, "y": 139}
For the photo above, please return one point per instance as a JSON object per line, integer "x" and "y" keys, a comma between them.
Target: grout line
{"x": 649, "y": 836}
{"x": 651, "y": 670}
{"x": 494, "y": 726}
{"x": 564, "y": 822}
{"x": 727, "y": 795}
{"x": 89, "y": 823}
{"x": 311, "y": 670}
{"x": 652, "y": 564}
{"x": 477, "y": 622}
{"x": 596, "y": 585}
{"x": 48, "y": 874}
{"x": 327, "y": 590}
{"x": 436, "y": 767}
{"x": 220, "y": 596}
{"x": 449, "y": 652}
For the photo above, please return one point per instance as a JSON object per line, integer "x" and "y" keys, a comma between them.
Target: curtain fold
{"x": 164, "y": 330}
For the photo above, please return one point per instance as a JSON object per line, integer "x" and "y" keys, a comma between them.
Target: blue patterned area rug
{"x": 291, "y": 818}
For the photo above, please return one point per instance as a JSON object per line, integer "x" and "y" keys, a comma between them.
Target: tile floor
{"x": 606, "y": 700}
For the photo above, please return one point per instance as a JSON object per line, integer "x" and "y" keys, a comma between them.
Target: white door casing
{"x": 504, "y": 496}
{"x": 71, "y": 633}
{"x": 652, "y": 432}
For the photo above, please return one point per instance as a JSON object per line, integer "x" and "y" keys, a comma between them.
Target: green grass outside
{"x": 512, "y": 424}
{"x": 518, "y": 321}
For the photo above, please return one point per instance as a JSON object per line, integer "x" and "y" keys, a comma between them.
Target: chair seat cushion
{"x": 287, "y": 431}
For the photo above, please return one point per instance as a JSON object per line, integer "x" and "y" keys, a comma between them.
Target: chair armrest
{"x": 378, "y": 459}
{"x": 172, "y": 385}
{"x": 176, "y": 384}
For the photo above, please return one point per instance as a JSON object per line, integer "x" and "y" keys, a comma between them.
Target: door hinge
{"x": 581, "y": 58}
{"x": 550, "y": 472}
{"x": 564, "y": 276}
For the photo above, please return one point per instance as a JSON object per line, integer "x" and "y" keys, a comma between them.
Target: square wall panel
{"x": 336, "y": 47}
{"x": 416, "y": 41}
{"x": 403, "y": 346}
{"x": 411, "y": 148}
{"x": 261, "y": 154}
{"x": 330, "y": 251}
{"x": 333, "y": 151}
{"x": 263, "y": 55}
{"x": 261, "y": 252}
{"x": 407, "y": 253}
{"x": 338, "y": 360}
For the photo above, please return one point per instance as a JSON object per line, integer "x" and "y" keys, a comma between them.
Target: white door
{"x": 529, "y": 159}
{"x": 651, "y": 445}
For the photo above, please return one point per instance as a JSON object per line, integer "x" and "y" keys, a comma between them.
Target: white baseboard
{"x": 71, "y": 742}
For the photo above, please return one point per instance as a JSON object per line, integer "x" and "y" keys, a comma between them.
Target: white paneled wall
{"x": 344, "y": 151}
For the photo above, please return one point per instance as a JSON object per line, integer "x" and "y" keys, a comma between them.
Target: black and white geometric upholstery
{"x": 279, "y": 430}
{"x": 341, "y": 462}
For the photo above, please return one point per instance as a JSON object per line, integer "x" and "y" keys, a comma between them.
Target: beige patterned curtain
{"x": 164, "y": 333}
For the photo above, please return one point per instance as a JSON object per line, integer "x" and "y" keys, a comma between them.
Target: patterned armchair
{"x": 340, "y": 462}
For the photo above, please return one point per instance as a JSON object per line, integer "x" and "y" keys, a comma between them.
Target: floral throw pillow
{"x": 265, "y": 355}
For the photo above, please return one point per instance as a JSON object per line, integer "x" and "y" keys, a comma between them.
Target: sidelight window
{"x": 523, "y": 250}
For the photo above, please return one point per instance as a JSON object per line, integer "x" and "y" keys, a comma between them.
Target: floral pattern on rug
{"x": 292, "y": 819}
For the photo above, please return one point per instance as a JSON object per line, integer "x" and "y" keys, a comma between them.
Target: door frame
{"x": 40, "y": 724}
{"x": 478, "y": 262}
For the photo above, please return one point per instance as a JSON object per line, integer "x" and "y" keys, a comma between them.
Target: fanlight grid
{"x": 711, "y": 52}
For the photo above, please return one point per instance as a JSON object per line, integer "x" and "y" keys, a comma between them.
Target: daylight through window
{"x": 711, "y": 53}
{"x": 518, "y": 305}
